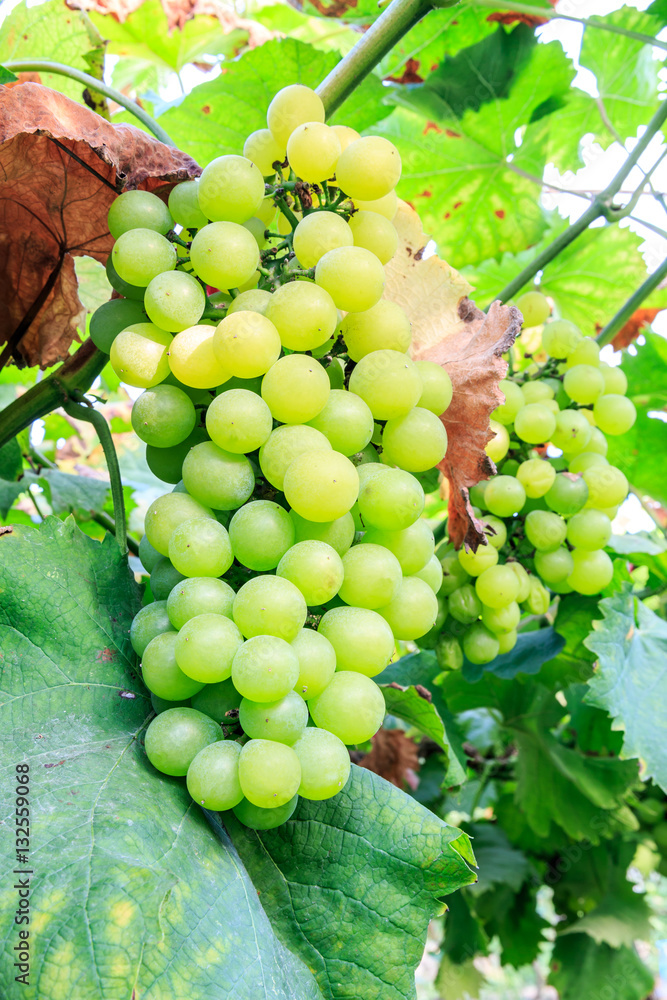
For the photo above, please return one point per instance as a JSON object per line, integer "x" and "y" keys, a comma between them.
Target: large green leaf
{"x": 65, "y": 492}
{"x": 631, "y": 646}
{"x": 416, "y": 709}
{"x": 581, "y": 969}
{"x": 498, "y": 861}
{"x": 513, "y": 918}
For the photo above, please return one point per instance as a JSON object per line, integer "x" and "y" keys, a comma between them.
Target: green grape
{"x": 315, "y": 568}
{"x": 538, "y": 599}
{"x": 318, "y": 233}
{"x": 453, "y": 573}
{"x": 148, "y": 556}
{"x": 238, "y": 421}
{"x": 163, "y": 416}
{"x": 174, "y": 301}
{"x": 164, "y": 578}
{"x": 568, "y": 494}
{"x": 199, "y": 595}
{"x": 607, "y": 486}
{"x": 560, "y": 337}
{"x": 284, "y": 445}
{"x": 317, "y": 662}
{"x": 264, "y": 151}
{"x": 351, "y": 707}
{"x": 545, "y": 530}
{"x": 495, "y": 531}
{"x": 534, "y": 307}
{"x": 614, "y": 414}
{"x": 369, "y": 168}
{"x": 413, "y": 546}
{"x": 437, "y": 387}
{"x": 269, "y": 773}
{"x": 192, "y": 359}
{"x": 201, "y": 547}
{"x": 413, "y": 609}
{"x": 361, "y": 638}
{"x": 167, "y": 463}
{"x": 246, "y": 344}
{"x": 598, "y": 442}
{"x": 554, "y": 566}
{"x": 502, "y": 620}
{"x": 162, "y": 674}
{"x": 536, "y": 391}
{"x": 431, "y": 574}
{"x": 255, "y": 300}
{"x": 584, "y": 460}
{"x": 265, "y": 668}
{"x": 295, "y": 389}
{"x": 589, "y": 529}
{"x": 374, "y": 232}
{"x": 206, "y": 646}
{"x": 615, "y": 380}
{"x": 534, "y": 423}
{"x": 184, "y": 205}
{"x": 499, "y": 444}
{"x": 219, "y": 701}
{"x": 416, "y": 442}
{"x": 587, "y": 352}
{"x": 464, "y": 605}
{"x": 261, "y": 532}
{"x": 161, "y": 705}
{"x": 166, "y": 513}
{"x": 111, "y": 318}
{"x": 213, "y": 776}
{"x": 475, "y": 563}
{"x": 583, "y": 384}
{"x": 138, "y": 210}
{"x": 224, "y": 254}
{"x": 313, "y": 150}
{"x": 282, "y": 721}
{"x": 536, "y": 476}
{"x": 497, "y": 586}
{"x": 384, "y": 326}
{"x": 372, "y": 576}
{"x": 514, "y": 402}
{"x": 139, "y": 255}
{"x": 353, "y": 277}
{"x": 593, "y": 571}
{"x": 345, "y": 134}
{"x": 321, "y": 485}
{"x": 388, "y": 382}
{"x": 523, "y": 578}
{"x": 387, "y": 205}
{"x": 504, "y": 496}
{"x": 139, "y": 355}
{"x": 339, "y": 534}
{"x": 124, "y": 288}
{"x": 293, "y": 106}
{"x": 216, "y": 477}
{"x": 303, "y": 314}
{"x": 148, "y": 622}
{"x": 506, "y": 642}
{"x": 269, "y": 606}
{"x": 345, "y": 421}
{"x": 325, "y": 764}
{"x": 175, "y": 737}
{"x": 256, "y": 818}
{"x": 480, "y": 645}
{"x": 391, "y": 500}
{"x": 231, "y": 189}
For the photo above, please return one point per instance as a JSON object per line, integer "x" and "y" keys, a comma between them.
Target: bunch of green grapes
{"x": 548, "y": 512}
{"x": 281, "y": 402}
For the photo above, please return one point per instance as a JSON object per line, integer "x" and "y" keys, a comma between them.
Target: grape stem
{"x": 84, "y": 410}
{"x": 626, "y": 312}
{"x": 109, "y": 524}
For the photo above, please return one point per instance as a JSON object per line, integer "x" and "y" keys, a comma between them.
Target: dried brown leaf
{"x": 393, "y": 757}
{"x": 634, "y": 326}
{"x": 61, "y": 166}
{"x": 449, "y": 329}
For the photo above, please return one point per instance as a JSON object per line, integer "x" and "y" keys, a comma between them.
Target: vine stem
{"x": 615, "y": 324}
{"x": 392, "y": 24}
{"x": 600, "y": 207}
{"x": 83, "y": 411}
{"x": 46, "y": 66}
{"x": 552, "y": 15}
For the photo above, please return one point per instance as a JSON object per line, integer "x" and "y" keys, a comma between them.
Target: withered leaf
{"x": 393, "y": 757}
{"x": 61, "y": 166}
{"x": 449, "y": 329}
{"x": 630, "y": 331}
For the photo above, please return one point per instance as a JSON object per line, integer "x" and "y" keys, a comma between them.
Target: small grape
{"x": 500, "y": 621}
{"x": 497, "y": 586}
{"x": 150, "y": 621}
{"x": 584, "y": 460}
{"x": 246, "y": 344}
{"x": 499, "y": 444}
{"x": 390, "y": 499}
{"x": 372, "y": 576}
{"x": 164, "y": 578}
{"x": 206, "y": 646}
{"x": 291, "y": 107}
{"x": 464, "y": 605}
{"x": 614, "y": 414}
{"x": 506, "y": 642}
{"x": 413, "y": 610}
{"x": 200, "y": 547}
{"x": 138, "y": 210}
{"x": 375, "y": 233}
{"x": 303, "y": 314}
{"x": 437, "y": 387}
{"x": 351, "y": 707}
{"x": 504, "y": 495}
{"x": 607, "y": 486}
{"x": 213, "y": 776}
{"x": 339, "y": 534}
{"x": 475, "y": 563}
{"x": 217, "y": 700}
{"x": 583, "y": 384}
{"x": 325, "y": 764}
{"x": 417, "y": 441}
{"x": 536, "y": 391}
{"x": 163, "y": 416}
{"x": 555, "y": 566}
{"x": 166, "y": 513}
{"x": 283, "y": 445}
{"x": 321, "y": 485}
{"x": 295, "y": 389}
{"x": 413, "y": 546}
{"x": 345, "y": 134}
{"x": 129, "y": 291}
{"x": 313, "y": 150}
{"x": 261, "y": 532}
{"x": 162, "y": 674}
{"x": 175, "y": 737}
{"x": 216, "y": 477}
{"x": 592, "y": 572}
{"x": 589, "y": 529}
{"x": 174, "y": 301}
{"x": 534, "y": 307}
{"x": 262, "y": 148}
{"x": 453, "y": 573}
{"x": 224, "y": 254}
{"x": 480, "y": 645}
{"x": 111, "y": 318}
{"x": 369, "y": 168}
{"x": 345, "y": 421}
{"x": 388, "y": 382}
{"x": 432, "y": 575}
{"x": 254, "y": 300}
{"x": 362, "y": 640}
{"x": 231, "y": 189}
{"x": 534, "y": 423}
{"x": 353, "y": 277}
{"x": 139, "y": 355}
{"x": 199, "y": 595}
{"x": 387, "y": 205}
{"x": 192, "y": 358}
{"x": 256, "y": 818}
{"x": 587, "y": 352}
{"x": 184, "y": 205}
{"x": 270, "y": 606}
{"x": 317, "y": 662}
{"x": 514, "y": 402}
{"x": 318, "y": 233}
{"x": 314, "y": 567}
{"x": 239, "y": 421}
{"x": 545, "y": 530}
{"x": 536, "y": 476}
{"x": 282, "y": 721}
{"x": 148, "y": 556}
{"x": 384, "y": 326}
{"x": 615, "y": 379}
{"x": 568, "y": 494}
{"x": 523, "y": 578}
{"x": 495, "y": 530}
{"x": 560, "y": 337}
{"x": 269, "y": 773}
{"x": 139, "y": 255}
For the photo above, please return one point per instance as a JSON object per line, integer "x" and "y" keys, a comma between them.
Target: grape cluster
{"x": 548, "y": 512}
{"x": 281, "y": 402}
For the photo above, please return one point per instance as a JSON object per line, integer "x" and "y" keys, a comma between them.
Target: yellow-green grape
{"x": 534, "y": 423}
{"x": 282, "y": 447}
{"x": 200, "y": 547}
{"x": 369, "y": 168}
{"x": 464, "y": 605}
{"x": 291, "y": 107}
{"x": 353, "y": 277}
{"x": 313, "y": 150}
{"x": 375, "y": 233}
{"x": 174, "y": 301}
{"x": 318, "y": 233}
{"x": 269, "y": 773}
{"x": 536, "y": 392}
{"x": 175, "y": 737}
{"x": 239, "y": 421}
{"x": 554, "y": 567}
{"x": 504, "y": 496}
{"x": 199, "y": 595}
{"x": 339, "y": 534}
{"x": 534, "y": 307}
{"x": 523, "y": 578}
{"x": 416, "y": 442}
{"x": 362, "y": 640}
{"x": 149, "y": 621}
{"x": 372, "y": 576}
{"x": 255, "y": 300}
{"x": 351, "y": 707}
{"x": 589, "y": 529}
{"x": 583, "y": 384}
{"x": 295, "y": 389}
{"x": 315, "y": 568}
{"x": 614, "y": 414}
{"x": 391, "y": 499}
{"x": 217, "y": 478}
{"x": 560, "y": 337}
{"x": 303, "y": 314}
{"x": 413, "y": 610}
{"x": 166, "y": 513}
{"x": 475, "y": 563}
{"x": 453, "y": 573}
{"x": 283, "y": 720}
{"x": 545, "y": 530}
{"x": 499, "y": 444}
{"x": 206, "y": 646}
{"x": 256, "y": 818}
{"x": 387, "y": 205}
{"x": 138, "y": 210}
{"x": 321, "y": 485}
{"x": 267, "y": 211}
{"x": 184, "y": 205}
{"x": 384, "y": 326}
{"x": 598, "y": 442}
{"x": 141, "y": 254}
{"x": 388, "y": 382}
{"x": 231, "y": 189}
{"x": 262, "y": 148}
{"x": 573, "y": 432}
{"x": 162, "y": 674}
{"x": 497, "y": 587}
{"x": 514, "y": 402}
{"x": 261, "y": 532}
{"x": 587, "y": 352}
{"x": 317, "y": 662}
{"x": 592, "y": 571}
{"x": 346, "y": 422}
{"x": 193, "y": 360}
{"x": 325, "y": 764}
{"x": 139, "y": 355}
{"x": 480, "y": 645}
{"x": 500, "y": 621}
{"x": 585, "y": 459}
{"x": 437, "y": 387}
{"x": 257, "y": 228}
{"x": 538, "y": 599}
{"x": 345, "y": 134}
{"x": 495, "y": 530}
{"x": 224, "y": 254}
{"x": 213, "y": 776}
{"x": 246, "y": 344}
{"x": 615, "y": 380}
{"x": 607, "y": 486}
{"x": 536, "y": 476}
{"x": 506, "y": 642}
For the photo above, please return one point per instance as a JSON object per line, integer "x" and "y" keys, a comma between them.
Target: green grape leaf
{"x": 513, "y": 918}
{"x": 416, "y": 709}
{"x": 631, "y": 645}
{"x": 498, "y": 861}
{"x": 531, "y": 651}
{"x": 6, "y": 76}
{"x": 216, "y": 117}
{"x": 11, "y": 460}
{"x": 580, "y": 968}
{"x": 591, "y": 727}
{"x": 66, "y": 493}
{"x": 639, "y": 541}
{"x": 465, "y": 936}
